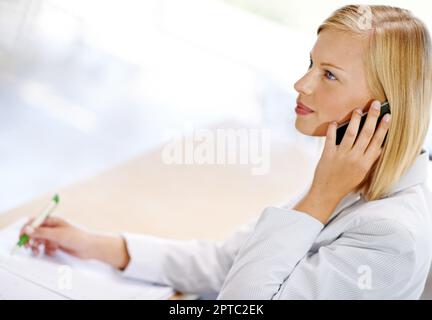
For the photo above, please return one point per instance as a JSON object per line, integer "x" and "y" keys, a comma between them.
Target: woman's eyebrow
{"x": 328, "y": 64}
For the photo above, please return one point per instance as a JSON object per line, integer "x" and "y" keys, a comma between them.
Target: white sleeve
{"x": 372, "y": 261}
{"x": 193, "y": 266}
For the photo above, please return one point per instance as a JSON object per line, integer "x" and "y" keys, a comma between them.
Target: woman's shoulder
{"x": 405, "y": 213}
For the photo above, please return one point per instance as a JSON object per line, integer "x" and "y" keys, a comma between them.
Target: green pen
{"x": 37, "y": 222}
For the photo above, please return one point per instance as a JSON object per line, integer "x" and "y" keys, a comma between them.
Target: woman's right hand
{"x": 58, "y": 234}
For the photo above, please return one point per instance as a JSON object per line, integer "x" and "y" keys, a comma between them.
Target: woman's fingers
{"x": 45, "y": 233}
{"x": 50, "y": 230}
{"x": 54, "y": 222}
{"x": 330, "y": 142}
{"x": 56, "y": 234}
{"x": 375, "y": 146}
{"x": 29, "y": 221}
{"x": 35, "y": 244}
{"x": 352, "y": 131}
{"x": 23, "y": 228}
{"x": 369, "y": 127}
{"x": 50, "y": 248}
{"x": 51, "y": 235}
{"x": 50, "y": 222}
{"x": 50, "y": 252}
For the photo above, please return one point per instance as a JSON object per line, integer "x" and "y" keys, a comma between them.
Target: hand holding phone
{"x": 340, "y": 132}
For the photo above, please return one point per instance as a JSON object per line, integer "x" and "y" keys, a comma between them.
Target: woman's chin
{"x": 302, "y": 128}
{"x": 309, "y": 130}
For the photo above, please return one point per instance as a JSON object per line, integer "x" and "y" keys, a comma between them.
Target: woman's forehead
{"x": 340, "y": 48}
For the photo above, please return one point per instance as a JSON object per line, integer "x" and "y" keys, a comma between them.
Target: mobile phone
{"x": 340, "y": 131}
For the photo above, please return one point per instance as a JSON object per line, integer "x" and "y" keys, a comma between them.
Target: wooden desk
{"x": 145, "y": 195}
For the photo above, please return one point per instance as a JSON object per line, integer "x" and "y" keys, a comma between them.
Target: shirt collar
{"x": 416, "y": 174}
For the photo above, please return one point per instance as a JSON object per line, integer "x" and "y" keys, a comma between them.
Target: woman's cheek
{"x": 334, "y": 110}
{"x": 327, "y": 115}
{"x": 339, "y": 115}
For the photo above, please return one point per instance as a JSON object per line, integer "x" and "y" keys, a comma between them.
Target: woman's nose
{"x": 304, "y": 85}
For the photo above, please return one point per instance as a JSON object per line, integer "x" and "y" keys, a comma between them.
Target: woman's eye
{"x": 310, "y": 63}
{"x": 329, "y": 75}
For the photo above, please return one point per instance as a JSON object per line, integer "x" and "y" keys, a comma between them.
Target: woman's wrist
{"x": 110, "y": 249}
{"x": 318, "y": 204}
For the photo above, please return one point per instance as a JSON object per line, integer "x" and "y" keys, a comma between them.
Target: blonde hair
{"x": 399, "y": 70}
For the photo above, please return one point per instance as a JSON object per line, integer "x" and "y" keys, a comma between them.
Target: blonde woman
{"x": 363, "y": 229}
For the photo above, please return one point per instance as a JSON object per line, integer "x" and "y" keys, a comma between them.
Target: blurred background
{"x": 85, "y": 85}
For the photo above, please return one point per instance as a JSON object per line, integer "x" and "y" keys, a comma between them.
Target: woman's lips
{"x": 301, "y": 109}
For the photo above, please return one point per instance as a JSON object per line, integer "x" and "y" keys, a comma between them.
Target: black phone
{"x": 340, "y": 131}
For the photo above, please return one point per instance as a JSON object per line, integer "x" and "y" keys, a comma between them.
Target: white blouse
{"x": 368, "y": 250}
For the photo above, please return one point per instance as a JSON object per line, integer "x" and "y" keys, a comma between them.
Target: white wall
{"x": 307, "y": 14}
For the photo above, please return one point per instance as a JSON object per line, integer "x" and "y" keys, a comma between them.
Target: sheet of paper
{"x": 13, "y": 287}
{"x": 26, "y": 276}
